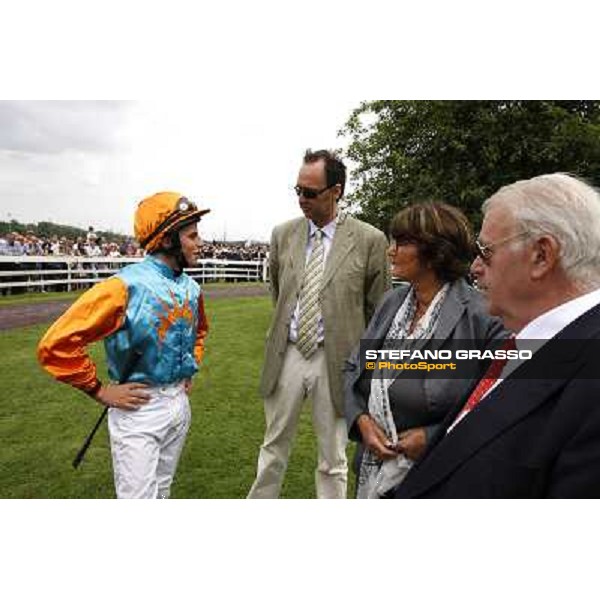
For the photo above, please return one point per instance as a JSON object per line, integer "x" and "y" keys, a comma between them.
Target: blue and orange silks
{"x": 144, "y": 310}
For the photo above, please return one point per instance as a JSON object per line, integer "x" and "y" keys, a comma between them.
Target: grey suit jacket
{"x": 428, "y": 399}
{"x": 355, "y": 278}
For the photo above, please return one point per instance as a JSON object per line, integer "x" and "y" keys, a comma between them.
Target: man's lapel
{"x": 510, "y": 402}
{"x": 343, "y": 242}
{"x": 298, "y": 239}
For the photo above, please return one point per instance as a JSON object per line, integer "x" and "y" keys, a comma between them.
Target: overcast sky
{"x": 88, "y": 163}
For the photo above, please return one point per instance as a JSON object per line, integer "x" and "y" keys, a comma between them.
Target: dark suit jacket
{"x": 530, "y": 438}
{"x": 424, "y": 400}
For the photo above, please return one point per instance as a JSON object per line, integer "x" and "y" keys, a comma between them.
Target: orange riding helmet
{"x": 158, "y": 215}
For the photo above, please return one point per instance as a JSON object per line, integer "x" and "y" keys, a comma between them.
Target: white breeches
{"x": 146, "y": 443}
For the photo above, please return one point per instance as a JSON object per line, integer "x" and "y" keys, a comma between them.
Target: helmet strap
{"x": 175, "y": 251}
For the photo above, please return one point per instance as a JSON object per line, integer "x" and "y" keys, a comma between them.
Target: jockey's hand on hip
{"x": 127, "y": 396}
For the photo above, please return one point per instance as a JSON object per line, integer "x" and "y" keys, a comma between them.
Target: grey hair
{"x": 565, "y": 207}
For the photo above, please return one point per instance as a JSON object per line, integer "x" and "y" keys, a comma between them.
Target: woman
{"x": 395, "y": 414}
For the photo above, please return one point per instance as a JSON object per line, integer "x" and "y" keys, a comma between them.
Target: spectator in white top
{"x": 91, "y": 236}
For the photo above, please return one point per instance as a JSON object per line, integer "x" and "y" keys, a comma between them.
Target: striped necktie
{"x": 310, "y": 308}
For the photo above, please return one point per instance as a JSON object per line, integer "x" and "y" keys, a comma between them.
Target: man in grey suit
{"x": 328, "y": 272}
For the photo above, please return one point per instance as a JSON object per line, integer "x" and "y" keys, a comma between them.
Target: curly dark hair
{"x": 443, "y": 235}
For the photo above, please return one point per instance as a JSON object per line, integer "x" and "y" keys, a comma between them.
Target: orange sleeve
{"x": 202, "y": 330}
{"x": 93, "y": 316}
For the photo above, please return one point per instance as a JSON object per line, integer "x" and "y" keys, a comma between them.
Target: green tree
{"x": 47, "y": 229}
{"x": 461, "y": 152}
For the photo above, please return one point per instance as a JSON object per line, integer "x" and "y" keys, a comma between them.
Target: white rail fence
{"x": 51, "y": 273}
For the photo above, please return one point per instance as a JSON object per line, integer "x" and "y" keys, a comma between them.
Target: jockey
{"x": 151, "y": 317}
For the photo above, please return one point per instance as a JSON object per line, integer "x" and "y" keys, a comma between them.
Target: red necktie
{"x": 489, "y": 379}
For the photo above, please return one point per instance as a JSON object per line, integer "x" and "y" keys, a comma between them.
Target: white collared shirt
{"x": 328, "y": 233}
{"x": 542, "y": 329}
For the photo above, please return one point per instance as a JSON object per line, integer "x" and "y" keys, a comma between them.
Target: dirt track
{"x": 21, "y": 315}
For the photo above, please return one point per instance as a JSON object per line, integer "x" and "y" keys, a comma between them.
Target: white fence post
{"x": 40, "y": 274}
{"x": 264, "y": 270}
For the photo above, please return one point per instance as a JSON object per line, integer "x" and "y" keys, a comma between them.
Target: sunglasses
{"x": 309, "y": 193}
{"x": 485, "y": 251}
{"x": 396, "y": 242}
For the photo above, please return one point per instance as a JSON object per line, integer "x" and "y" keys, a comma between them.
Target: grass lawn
{"x": 43, "y": 423}
{"x": 39, "y": 297}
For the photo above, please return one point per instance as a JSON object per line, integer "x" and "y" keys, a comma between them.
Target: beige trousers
{"x": 300, "y": 379}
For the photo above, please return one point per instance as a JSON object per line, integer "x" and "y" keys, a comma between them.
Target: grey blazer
{"x": 355, "y": 278}
{"x": 423, "y": 401}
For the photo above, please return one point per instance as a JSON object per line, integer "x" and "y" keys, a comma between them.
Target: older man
{"x": 328, "y": 272}
{"x": 533, "y": 430}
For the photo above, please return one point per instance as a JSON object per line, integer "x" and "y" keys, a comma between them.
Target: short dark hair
{"x": 443, "y": 235}
{"x": 335, "y": 169}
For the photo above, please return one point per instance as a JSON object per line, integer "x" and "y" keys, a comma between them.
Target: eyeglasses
{"x": 309, "y": 193}
{"x": 485, "y": 251}
{"x": 396, "y": 243}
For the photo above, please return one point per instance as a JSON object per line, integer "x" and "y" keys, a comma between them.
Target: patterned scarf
{"x": 376, "y": 476}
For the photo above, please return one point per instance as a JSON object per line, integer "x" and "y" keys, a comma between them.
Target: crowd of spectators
{"x": 28, "y": 244}
{"x": 235, "y": 250}
{"x": 91, "y": 246}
